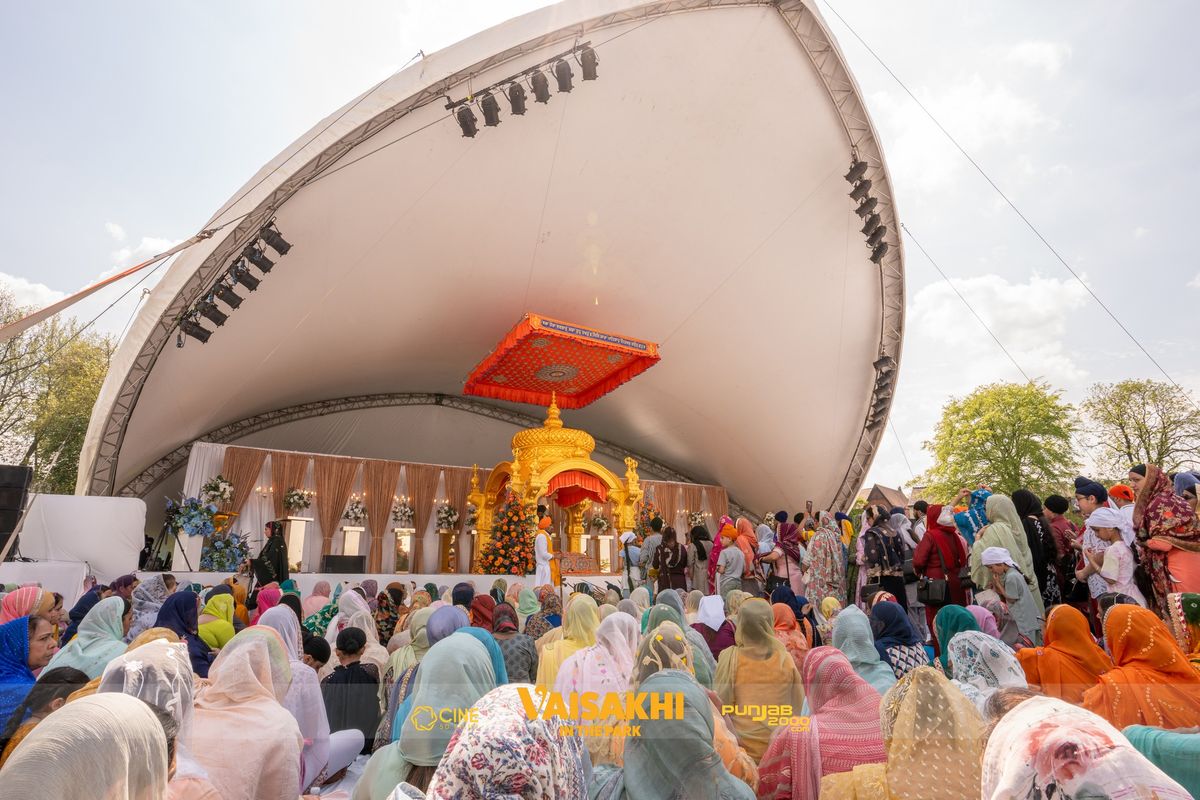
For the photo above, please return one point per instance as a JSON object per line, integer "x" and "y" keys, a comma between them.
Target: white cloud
{"x": 128, "y": 256}
{"x": 1195, "y": 282}
{"x": 1139, "y": 232}
{"x": 977, "y": 113}
{"x": 30, "y": 294}
{"x": 115, "y": 231}
{"x": 1047, "y": 56}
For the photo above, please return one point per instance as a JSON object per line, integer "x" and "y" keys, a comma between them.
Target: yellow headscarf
{"x": 578, "y": 631}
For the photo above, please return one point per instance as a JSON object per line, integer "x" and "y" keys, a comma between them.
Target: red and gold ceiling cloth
{"x": 542, "y": 358}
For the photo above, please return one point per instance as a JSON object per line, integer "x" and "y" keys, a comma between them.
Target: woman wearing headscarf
{"x": 519, "y": 651}
{"x": 670, "y": 560}
{"x": 482, "y": 608}
{"x": 1069, "y": 662}
{"x": 148, "y": 599}
{"x": 113, "y": 741}
{"x": 26, "y": 601}
{"x": 949, "y": 622}
{"x": 718, "y": 632}
{"x": 802, "y": 609}
{"x": 216, "y": 621}
{"x": 241, "y": 615}
{"x": 790, "y": 563}
{"x": 604, "y": 668}
{"x": 1151, "y": 682}
{"x": 268, "y": 598}
{"x": 986, "y": 620}
{"x": 1047, "y": 748}
{"x": 100, "y": 639}
{"x": 757, "y": 670}
{"x": 26, "y": 644}
{"x": 579, "y": 631}
{"x": 691, "y": 606}
{"x": 883, "y": 552}
{"x": 527, "y": 605}
{"x": 179, "y": 614}
{"x": 486, "y": 639}
{"x": 842, "y": 731}
{"x": 940, "y": 555}
{"x": 674, "y": 753}
{"x": 396, "y": 683}
{"x": 359, "y": 616}
{"x": 714, "y": 554}
{"x": 158, "y": 673}
{"x": 52, "y": 690}
{"x": 482, "y": 760}
{"x": 323, "y": 752}
{"x": 420, "y": 599}
{"x": 549, "y": 616}
{"x": 981, "y": 665}
{"x": 789, "y": 632}
{"x": 897, "y": 643}
{"x": 704, "y": 666}
{"x": 1005, "y": 530}
{"x": 318, "y": 599}
{"x": 1168, "y": 535}
{"x": 932, "y": 736}
{"x": 241, "y": 714}
{"x": 826, "y": 560}
{"x": 389, "y": 609}
{"x": 1183, "y": 618}
{"x": 456, "y": 673}
{"x": 699, "y": 546}
{"x": 1177, "y": 753}
{"x": 1040, "y": 537}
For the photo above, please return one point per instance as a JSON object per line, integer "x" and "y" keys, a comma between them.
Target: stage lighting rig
{"x": 516, "y": 99}
{"x": 227, "y": 295}
{"x": 270, "y": 234}
{"x": 255, "y": 255}
{"x": 563, "y": 74}
{"x": 467, "y": 121}
{"x": 208, "y": 309}
{"x": 588, "y": 62}
{"x": 490, "y": 108}
{"x": 195, "y": 330}
{"x": 243, "y": 277}
{"x": 539, "y": 84}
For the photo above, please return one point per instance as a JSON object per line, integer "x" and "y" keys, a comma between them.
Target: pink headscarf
{"x": 268, "y": 598}
{"x": 317, "y": 600}
{"x": 986, "y": 620}
{"x": 606, "y": 665}
{"x": 21, "y": 603}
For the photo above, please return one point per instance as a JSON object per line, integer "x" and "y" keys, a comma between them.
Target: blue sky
{"x": 129, "y": 123}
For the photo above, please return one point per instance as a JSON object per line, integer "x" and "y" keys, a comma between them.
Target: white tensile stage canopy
{"x": 692, "y": 195}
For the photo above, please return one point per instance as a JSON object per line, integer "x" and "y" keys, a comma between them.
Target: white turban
{"x": 997, "y": 555}
{"x": 1105, "y": 517}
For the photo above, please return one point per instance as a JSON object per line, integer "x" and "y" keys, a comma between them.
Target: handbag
{"x": 775, "y": 580}
{"x": 934, "y": 591}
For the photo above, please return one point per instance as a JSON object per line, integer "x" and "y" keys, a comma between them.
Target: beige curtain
{"x": 718, "y": 501}
{"x": 242, "y": 467}
{"x": 379, "y": 484}
{"x": 458, "y": 486}
{"x": 335, "y": 479}
{"x": 667, "y": 498}
{"x": 692, "y": 496}
{"x": 287, "y": 472}
{"x": 422, "y": 484}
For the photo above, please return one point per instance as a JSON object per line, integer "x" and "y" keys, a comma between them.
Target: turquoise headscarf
{"x": 675, "y": 753}
{"x": 486, "y": 639}
{"x": 100, "y": 639}
{"x": 949, "y": 622}
{"x": 852, "y": 635}
{"x": 1177, "y": 754}
{"x": 527, "y": 603}
{"x": 454, "y": 674}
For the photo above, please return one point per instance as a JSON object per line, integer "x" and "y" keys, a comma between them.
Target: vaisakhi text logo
{"x": 772, "y": 716}
{"x": 613, "y": 713}
{"x": 426, "y": 718}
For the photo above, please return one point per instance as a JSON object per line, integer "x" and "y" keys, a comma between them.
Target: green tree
{"x": 1005, "y": 435}
{"x": 50, "y": 377}
{"x": 1141, "y": 422}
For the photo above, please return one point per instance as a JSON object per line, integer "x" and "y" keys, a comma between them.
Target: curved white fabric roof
{"x": 692, "y": 196}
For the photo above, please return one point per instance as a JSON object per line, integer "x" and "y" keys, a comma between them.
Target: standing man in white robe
{"x": 542, "y": 555}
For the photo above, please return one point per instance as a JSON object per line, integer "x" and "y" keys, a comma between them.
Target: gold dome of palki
{"x": 552, "y": 442}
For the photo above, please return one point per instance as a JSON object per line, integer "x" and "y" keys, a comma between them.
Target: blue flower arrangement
{"x": 191, "y": 516}
{"x": 225, "y": 552}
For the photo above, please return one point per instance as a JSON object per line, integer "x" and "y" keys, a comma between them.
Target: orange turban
{"x": 544, "y": 523}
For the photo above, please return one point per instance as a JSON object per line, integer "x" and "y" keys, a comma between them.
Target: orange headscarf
{"x": 787, "y": 630}
{"x": 747, "y": 542}
{"x": 1152, "y": 682}
{"x": 239, "y": 600}
{"x": 1070, "y": 662}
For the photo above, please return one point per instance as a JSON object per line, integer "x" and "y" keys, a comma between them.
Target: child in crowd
{"x": 1116, "y": 564}
{"x": 1009, "y": 583}
{"x": 316, "y": 653}
{"x": 352, "y": 691}
{"x": 730, "y": 564}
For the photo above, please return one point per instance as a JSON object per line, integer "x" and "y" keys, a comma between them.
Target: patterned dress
{"x": 520, "y": 657}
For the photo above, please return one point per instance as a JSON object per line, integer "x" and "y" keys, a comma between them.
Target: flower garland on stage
{"x": 356, "y": 512}
{"x": 217, "y": 490}
{"x": 224, "y": 552}
{"x": 447, "y": 517}
{"x": 647, "y": 512}
{"x": 510, "y": 550}
{"x": 190, "y": 517}
{"x": 297, "y": 500}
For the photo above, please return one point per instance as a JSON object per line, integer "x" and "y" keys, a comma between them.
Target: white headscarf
{"x": 111, "y": 742}
{"x": 158, "y": 673}
{"x": 712, "y": 611}
{"x": 997, "y": 555}
{"x": 1105, "y": 517}
{"x": 766, "y": 538}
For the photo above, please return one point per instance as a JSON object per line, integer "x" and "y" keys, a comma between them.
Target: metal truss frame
{"x": 812, "y": 36}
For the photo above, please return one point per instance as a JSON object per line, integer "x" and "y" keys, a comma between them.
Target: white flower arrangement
{"x": 472, "y": 516}
{"x": 297, "y": 500}
{"x": 356, "y": 512}
{"x": 447, "y": 517}
{"x": 599, "y": 523}
{"x": 696, "y": 519}
{"x": 403, "y": 514}
{"x": 217, "y": 490}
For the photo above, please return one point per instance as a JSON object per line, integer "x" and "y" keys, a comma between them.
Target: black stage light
{"x": 880, "y": 405}
{"x": 866, "y": 207}
{"x": 872, "y": 224}
{"x": 258, "y": 258}
{"x": 540, "y": 85}
{"x": 879, "y": 252}
{"x": 516, "y": 98}
{"x": 884, "y": 364}
{"x": 875, "y": 424}
{"x": 876, "y": 236}
{"x": 857, "y": 170}
{"x": 271, "y": 236}
{"x": 563, "y": 74}
{"x": 861, "y": 189}
{"x": 243, "y": 277}
{"x": 213, "y": 314}
{"x": 491, "y": 110}
{"x": 466, "y": 120}
{"x": 588, "y": 62}
{"x": 195, "y": 330}
{"x": 228, "y": 295}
